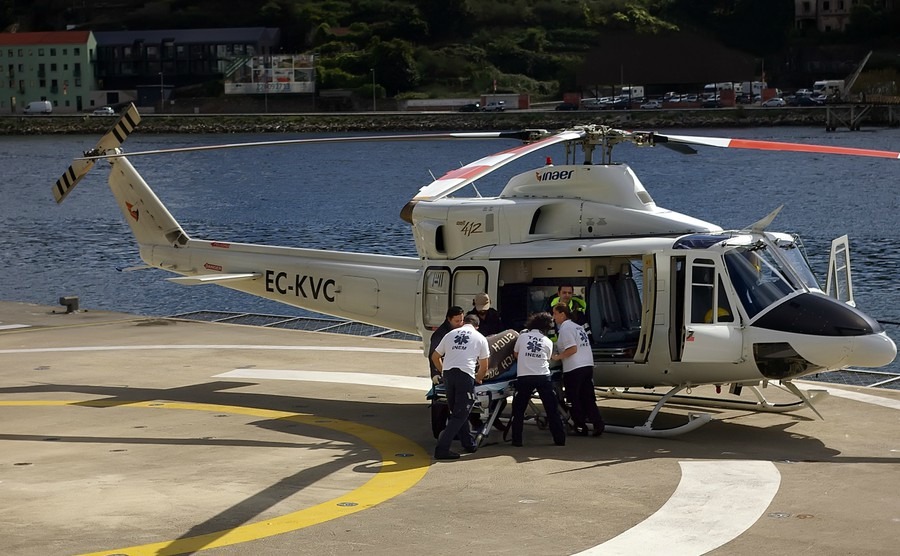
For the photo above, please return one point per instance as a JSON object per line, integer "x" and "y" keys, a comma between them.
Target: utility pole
{"x": 162, "y": 98}
{"x": 374, "y": 109}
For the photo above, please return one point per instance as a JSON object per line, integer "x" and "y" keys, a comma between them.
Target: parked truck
{"x": 632, "y": 92}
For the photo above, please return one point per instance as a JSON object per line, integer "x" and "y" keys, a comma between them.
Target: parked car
{"x": 712, "y": 102}
{"x": 803, "y": 93}
{"x": 495, "y": 106}
{"x": 104, "y": 111}
{"x": 805, "y": 101}
{"x": 471, "y": 107}
{"x": 652, "y": 104}
{"x": 773, "y": 102}
{"x": 567, "y": 106}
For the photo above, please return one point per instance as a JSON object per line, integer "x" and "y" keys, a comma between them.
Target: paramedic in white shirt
{"x": 533, "y": 350}
{"x": 460, "y": 353}
{"x": 574, "y": 350}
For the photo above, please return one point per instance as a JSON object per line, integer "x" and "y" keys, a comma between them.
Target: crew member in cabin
{"x": 462, "y": 357}
{"x": 491, "y": 323}
{"x": 577, "y": 305}
{"x": 533, "y": 350}
{"x": 574, "y": 350}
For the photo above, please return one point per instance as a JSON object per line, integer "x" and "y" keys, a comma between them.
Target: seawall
{"x": 879, "y": 116}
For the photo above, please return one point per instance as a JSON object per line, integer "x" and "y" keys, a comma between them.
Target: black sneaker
{"x": 581, "y": 431}
{"x": 598, "y": 429}
{"x": 448, "y": 455}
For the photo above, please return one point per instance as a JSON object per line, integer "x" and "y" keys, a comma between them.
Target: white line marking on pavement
{"x": 365, "y": 379}
{"x": 714, "y": 503}
{"x": 856, "y": 396}
{"x": 213, "y": 346}
{"x": 13, "y": 326}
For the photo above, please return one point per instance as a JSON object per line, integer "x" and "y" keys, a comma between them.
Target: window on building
{"x": 52, "y": 67}
{"x": 53, "y": 52}
{"x": 54, "y": 86}
{"x": 65, "y": 67}
{"x": 65, "y": 51}
{"x": 826, "y": 6}
{"x": 40, "y": 51}
{"x": 152, "y": 52}
{"x": 77, "y": 69}
{"x": 9, "y": 53}
{"x": 76, "y": 51}
{"x": 21, "y": 53}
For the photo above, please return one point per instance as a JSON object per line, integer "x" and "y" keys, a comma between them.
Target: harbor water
{"x": 348, "y": 197}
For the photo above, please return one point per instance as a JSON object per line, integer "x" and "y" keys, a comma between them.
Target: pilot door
{"x": 710, "y": 328}
{"x": 451, "y": 284}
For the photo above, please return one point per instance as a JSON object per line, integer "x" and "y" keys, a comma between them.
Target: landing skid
{"x": 695, "y": 420}
{"x": 761, "y": 404}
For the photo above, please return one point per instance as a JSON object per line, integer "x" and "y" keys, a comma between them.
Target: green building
{"x": 55, "y": 66}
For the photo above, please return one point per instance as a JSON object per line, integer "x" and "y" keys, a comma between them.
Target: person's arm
{"x": 482, "y": 370}
{"x": 568, "y": 352}
{"x": 438, "y": 361}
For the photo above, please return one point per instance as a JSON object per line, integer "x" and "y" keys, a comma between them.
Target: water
{"x": 349, "y": 197}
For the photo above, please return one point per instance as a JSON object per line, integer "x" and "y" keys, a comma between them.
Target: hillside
{"x": 463, "y": 47}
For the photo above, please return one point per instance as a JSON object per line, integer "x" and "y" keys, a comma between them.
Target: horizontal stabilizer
{"x": 213, "y": 278}
{"x": 110, "y": 141}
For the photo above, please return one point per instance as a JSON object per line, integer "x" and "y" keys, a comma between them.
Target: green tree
{"x": 394, "y": 65}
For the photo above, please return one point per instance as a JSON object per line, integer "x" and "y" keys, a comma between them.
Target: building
{"x": 828, "y": 15}
{"x": 152, "y": 62}
{"x": 54, "y": 66}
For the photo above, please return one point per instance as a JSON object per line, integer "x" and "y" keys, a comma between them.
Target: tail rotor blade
{"x": 110, "y": 141}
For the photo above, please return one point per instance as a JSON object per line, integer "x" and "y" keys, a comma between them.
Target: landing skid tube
{"x": 695, "y": 420}
{"x": 805, "y": 399}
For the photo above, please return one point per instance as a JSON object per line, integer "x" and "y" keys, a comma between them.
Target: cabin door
{"x": 455, "y": 284}
{"x": 712, "y": 331}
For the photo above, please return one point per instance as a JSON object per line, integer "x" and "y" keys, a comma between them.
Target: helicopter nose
{"x": 872, "y": 350}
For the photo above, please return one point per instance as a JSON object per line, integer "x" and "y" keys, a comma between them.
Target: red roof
{"x": 48, "y": 37}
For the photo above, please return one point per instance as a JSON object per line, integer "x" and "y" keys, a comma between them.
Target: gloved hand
{"x": 436, "y": 379}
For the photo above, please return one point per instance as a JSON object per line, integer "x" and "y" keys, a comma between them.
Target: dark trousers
{"x": 525, "y": 386}
{"x": 460, "y": 399}
{"x": 580, "y": 395}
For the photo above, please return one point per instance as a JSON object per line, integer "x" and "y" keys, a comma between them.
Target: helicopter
{"x": 672, "y": 301}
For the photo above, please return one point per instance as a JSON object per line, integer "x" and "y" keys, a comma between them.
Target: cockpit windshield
{"x": 791, "y": 250}
{"x": 758, "y": 277}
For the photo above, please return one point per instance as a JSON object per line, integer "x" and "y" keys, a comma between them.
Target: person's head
{"x": 455, "y": 316}
{"x": 561, "y": 313}
{"x": 565, "y": 293}
{"x": 473, "y": 320}
{"x": 540, "y": 321}
{"x": 482, "y": 302}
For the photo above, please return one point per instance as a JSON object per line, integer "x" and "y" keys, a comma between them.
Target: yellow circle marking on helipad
{"x": 397, "y": 474}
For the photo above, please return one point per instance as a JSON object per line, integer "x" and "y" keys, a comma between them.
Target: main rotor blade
{"x": 521, "y": 135}
{"x": 459, "y": 178}
{"x": 773, "y": 146}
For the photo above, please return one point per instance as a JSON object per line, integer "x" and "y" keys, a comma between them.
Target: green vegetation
{"x": 421, "y": 48}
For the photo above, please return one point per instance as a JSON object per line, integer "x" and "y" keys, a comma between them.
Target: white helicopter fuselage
{"x": 651, "y": 277}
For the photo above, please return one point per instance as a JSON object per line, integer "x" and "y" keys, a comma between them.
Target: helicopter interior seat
{"x": 609, "y": 335}
{"x": 629, "y": 298}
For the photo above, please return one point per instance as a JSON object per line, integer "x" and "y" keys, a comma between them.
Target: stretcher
{"x": 491, "y": 399}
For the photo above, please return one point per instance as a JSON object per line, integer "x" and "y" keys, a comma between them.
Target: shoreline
{"x": 879, "y": 116}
